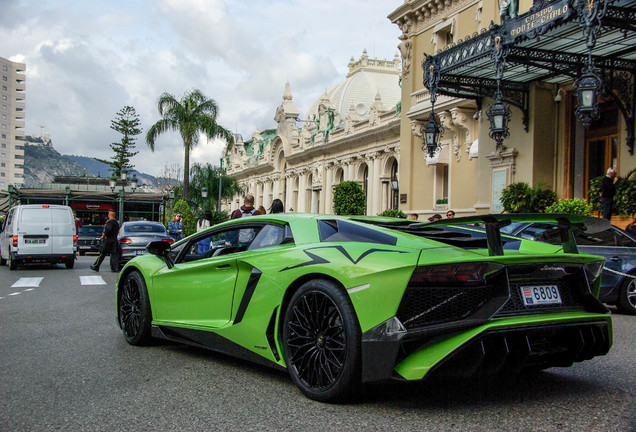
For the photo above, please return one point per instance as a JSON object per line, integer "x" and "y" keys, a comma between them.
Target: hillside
{"x": 42, "y": 164}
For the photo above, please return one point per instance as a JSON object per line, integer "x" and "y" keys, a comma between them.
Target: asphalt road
{"x": 65, "y": 366}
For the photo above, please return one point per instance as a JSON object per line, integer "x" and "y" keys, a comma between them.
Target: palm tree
{"x": 192, "y": 115}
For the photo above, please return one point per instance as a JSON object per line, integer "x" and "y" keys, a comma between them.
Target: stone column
{"x": 328, "y": 189}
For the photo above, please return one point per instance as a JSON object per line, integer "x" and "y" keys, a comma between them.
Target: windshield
{"x": 96, "y": 230}
{"x": 509, "y": 229}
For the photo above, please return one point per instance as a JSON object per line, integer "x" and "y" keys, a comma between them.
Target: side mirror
{"x": 160, "y": 248}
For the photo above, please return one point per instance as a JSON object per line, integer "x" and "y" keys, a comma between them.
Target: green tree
{"x": 571, "y": 206}
{"x": 207, "y": 176}
{"x": 192, "y": 115}
{"x": 127, "y": 123}
{"x": 187, "y": 218}
{"x": 349, "y": 199}
{"x": 521, "y": 198}
{"x": 396, "y": 213}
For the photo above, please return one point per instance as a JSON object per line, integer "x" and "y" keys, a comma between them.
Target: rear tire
{"x": 2, "y": 260}
{"x": 322, "y": 342}
{"x": 135, "y": 315}
{"x": 627, "y": 296}
{"x": 13, "y": 264}
{"x": 70, "y": 262}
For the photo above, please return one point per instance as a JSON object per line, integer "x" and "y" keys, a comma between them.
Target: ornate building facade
{"x": 535, "y": 52}
{"x": 352, "y": 132}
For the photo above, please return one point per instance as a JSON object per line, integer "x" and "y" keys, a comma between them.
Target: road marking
{"x": 27, "y": 282}
{"x": 28, "y": 289}
{"x": 92, "y": 280}
{"x": 15, "y": 293}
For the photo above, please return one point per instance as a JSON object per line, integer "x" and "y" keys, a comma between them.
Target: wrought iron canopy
{"x": 549, "y": 44}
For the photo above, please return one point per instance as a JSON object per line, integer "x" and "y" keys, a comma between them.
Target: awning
{"x": 549, "y": 43}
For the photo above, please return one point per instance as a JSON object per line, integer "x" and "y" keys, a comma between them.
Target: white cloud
{"x": 86, "y": 60}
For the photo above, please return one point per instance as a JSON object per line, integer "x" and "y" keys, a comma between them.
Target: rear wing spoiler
{"x": 567, "y": 224}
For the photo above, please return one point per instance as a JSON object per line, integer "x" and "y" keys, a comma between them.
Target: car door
{"x": 35, "y": 236}
{"x": 198, "y": 290}
{"x": 614, "y": 246}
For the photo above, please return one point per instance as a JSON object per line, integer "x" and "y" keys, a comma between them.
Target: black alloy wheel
{"x": 627, "y": 299}
{"x": 134, "y": 309}
{"x": 321, "y": 339}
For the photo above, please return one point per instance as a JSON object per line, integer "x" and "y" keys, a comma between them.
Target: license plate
{"x": 34, "y": 241}
{"x": 536, "y": 295}
{"x": 140, "y": 252}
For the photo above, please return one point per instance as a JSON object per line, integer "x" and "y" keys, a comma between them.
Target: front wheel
{"x": 627, "y": 299}
{"x": 135, "y": 315}
{"x": 321, "y": 342}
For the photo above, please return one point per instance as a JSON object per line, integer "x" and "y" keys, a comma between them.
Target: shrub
{"x": 396, "y": 213}
{"x": 521, "y": 198}
{"x": 572, "y": 206}
{"x": 349, "y": 199}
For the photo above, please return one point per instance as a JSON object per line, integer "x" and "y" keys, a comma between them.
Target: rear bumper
{"x": 502, "y": 345}
{"x": 51, "y": 258}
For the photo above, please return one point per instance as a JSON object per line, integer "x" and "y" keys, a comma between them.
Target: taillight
{"x": 125, "y": 240}
{"x": 15, "y": 241}
{"x": 168, "y": 240}
{"x": 471, "y": 272}
{"x": 74, "y": 240}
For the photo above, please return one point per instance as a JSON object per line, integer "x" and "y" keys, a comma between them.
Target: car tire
{"x": 135, "y": 315}
{"x": 321, "y": 342}
{"x": 3, "y": 261}
{"x": 627, "y": 296}
{"x": 70, "y": 262}
{"x": 13, "y": 264}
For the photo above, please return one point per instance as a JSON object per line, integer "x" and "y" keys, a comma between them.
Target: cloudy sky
{"x": 88, "y": 59}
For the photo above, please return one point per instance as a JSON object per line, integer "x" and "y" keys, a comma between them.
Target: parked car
{"x": 35, "y": 233}
{"x": 339, "y": 301}
{"x": 618, "y": 283}
{"x": 89, "y": 238}
{"x": 134, "y": 236}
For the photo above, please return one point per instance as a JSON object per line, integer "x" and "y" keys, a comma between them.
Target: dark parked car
{"x": 134, "y": 236}
{"x": 618, "y": 285}
{"x": 89, "y": 238}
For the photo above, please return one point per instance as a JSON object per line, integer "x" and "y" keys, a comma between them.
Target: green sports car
{"x": 342, "y": 301}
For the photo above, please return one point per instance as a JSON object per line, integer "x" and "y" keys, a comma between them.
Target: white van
{"x": 38, "y": 233}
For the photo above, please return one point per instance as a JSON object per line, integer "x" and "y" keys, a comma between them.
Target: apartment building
{"x": 12, "y": 105}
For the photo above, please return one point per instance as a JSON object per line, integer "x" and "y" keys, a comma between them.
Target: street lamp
{"x": 499, "y": 115}
{"x": 67, "y": 192}
{"x": 588, "y": 88}
{"x": 204, "y": 195}
{"x": 431, "y": 133}
{"x": 121, "y": 193}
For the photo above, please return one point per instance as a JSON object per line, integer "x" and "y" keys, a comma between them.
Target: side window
{"x": 546, "y": 233}
{"x": 624, "y": 240}
{"x": 220, "y": 243}
{"x": 270, "y": 235}
{"x": 603, "y": 238}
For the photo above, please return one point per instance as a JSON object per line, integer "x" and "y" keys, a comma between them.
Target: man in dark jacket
{"x": 109, "y": 244}
{"x": 608, "y": 190}
{"x": 247, "y": 209}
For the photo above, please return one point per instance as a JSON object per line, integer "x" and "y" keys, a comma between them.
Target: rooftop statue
{"x": 508, "y": 9}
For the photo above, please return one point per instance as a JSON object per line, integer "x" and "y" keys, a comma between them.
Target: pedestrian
{"x": 437, "y": 217}
{"x": 203, "y": 223}
{"x": 261, "y": 210}
{"x": 109, "y": 245}
{"x": 78, "y": 223}
{"x": 277, "y": 206}
{"x": 608, "y": 190}
{"x": 413, "y": 216}
{"x": 450, "y": 214}
{"x": 175, "y": 227}
{"x": 247, "y": 209}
